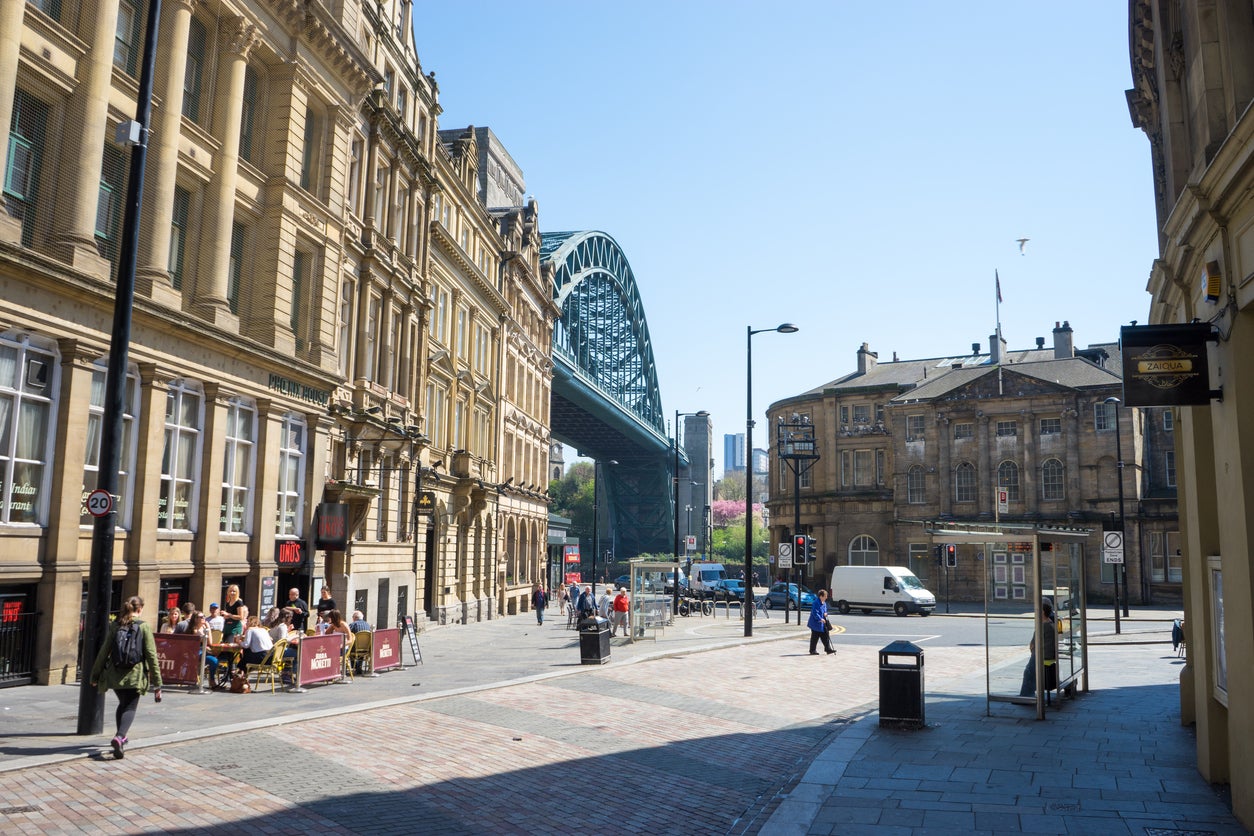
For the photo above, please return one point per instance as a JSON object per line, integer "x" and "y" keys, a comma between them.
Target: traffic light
{"x": 940, "y": 554}
{"x": 799, "y": 548}
{"x": 811, "y": 546}
{"x": 951, "y": 555}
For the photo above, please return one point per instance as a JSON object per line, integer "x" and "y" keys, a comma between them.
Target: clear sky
{"x": 860, "y": 169}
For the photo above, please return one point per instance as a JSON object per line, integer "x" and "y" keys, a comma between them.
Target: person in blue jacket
{"x": 819, "y": 628}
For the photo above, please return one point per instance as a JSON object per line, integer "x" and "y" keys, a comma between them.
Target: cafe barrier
{"x": 320, "y": 659}
{"x": 181, "y": 658}
{"x": 386, "y": 649}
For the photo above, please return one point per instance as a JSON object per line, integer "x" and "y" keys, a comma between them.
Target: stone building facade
{"x": 321, "y": 316}
{"x": 1191, "y": 95}
{"x": 908, "y": 441}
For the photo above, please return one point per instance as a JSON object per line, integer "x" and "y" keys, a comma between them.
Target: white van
{"x": 880, "y": 588}
{"x": 702, "y": 577}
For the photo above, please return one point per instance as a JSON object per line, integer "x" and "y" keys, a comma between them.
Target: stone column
{"x": 370, "y": 177}
{"x": 1071, "y": 464}
{"x": 983, "y": 466}
{"x": 152, "y": 277}
{"x": 405, "y": 379}
{"x": 363, "y": 370}
{"x": 81, "y": 155}
{"x": 386, "y": 351}
{"x": 141, "y": 544}
{"x": 11, "y": 15}
{"x": 266, "y": 453}
{"x": 944, "y": 467}
{"x": 1027, "y": 473}
{"x": 235, "y": 38}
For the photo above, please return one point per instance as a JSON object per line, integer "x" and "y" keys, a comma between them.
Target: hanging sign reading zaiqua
{"x": 1165, "y": 365}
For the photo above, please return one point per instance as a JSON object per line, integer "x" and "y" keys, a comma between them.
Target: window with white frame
{"x": 863, "y": 461}
{"x": 964, "y": 483}
{"x": 1103, "y": 417}
{"x": 1008, "y": 478}
{"x": 237, "y": 467}
{"x": 193, "y": 72}
{"x": 373, "y": 312}
{"x": 1052, "y": 486}
{"x": 437, "y": 413}
{"x": 290, "y": 492}
{"x": 1051, "y": 426}
{"x": 176, "y": 505}
{"x": 1164, "y": 549}
{"x": 462, "y": 316}
{"x": 803, "y": 478}
{"x": 179, "y": 226}
{"x": 916, "y": 492}
{"x": 355, "y": 151}
{"x": 311, "y": 149}
{"x": 914, "y": 428}
{"x": 1169, "y": 463}
{"x": 459, "y": 424}
{"x": 964, "y": 430}
{"x": 862, "y": 413}
{"x": 438, "y": 325}
{"x": 880, "y": 461}
{"x": 346, "y": 325}
{"x": 126, "y": 39}
{"x": 1169, "y": 420}
{"x": 1007, "y": 429}
{"x": 25, "y": 161}
{"x": 235, "y": 267}
{"x": 846, "y": 468}
{"x": 27, "y": 384}
{"x": 95, "y": 426}
{"x": 864, "y": 551}
{"x": 844, "y": 413}
{"x": 249, "y": 139}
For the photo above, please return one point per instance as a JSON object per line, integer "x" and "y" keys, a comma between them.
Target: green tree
{"x": 731, "y": 486}
{"x": 572, "y": 497}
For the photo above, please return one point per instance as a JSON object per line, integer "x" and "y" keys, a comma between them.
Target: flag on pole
{"x": 997, "y": 278}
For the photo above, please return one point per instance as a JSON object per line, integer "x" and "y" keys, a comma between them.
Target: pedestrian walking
{"x": 128, "y": 666}
{"x": 1050, "y": 658}
{"x": 820, "y": 628}
{"x": 618, "y": 617}
{"x": 539, "y": 601}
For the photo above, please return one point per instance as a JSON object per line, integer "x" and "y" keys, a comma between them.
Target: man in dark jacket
{"x": 539, "y": 601}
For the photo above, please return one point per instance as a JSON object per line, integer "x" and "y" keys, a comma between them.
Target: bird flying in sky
{"x": 1022, "y": 241}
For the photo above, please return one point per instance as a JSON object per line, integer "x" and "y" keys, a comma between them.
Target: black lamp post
{"x": 675, "y": 593}
{"x": 785, "y": 328}
{"x": 1121, "y": 569}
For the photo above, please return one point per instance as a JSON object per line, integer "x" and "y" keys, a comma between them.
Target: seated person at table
{"x": 298, "y": 609}
{"x": 215, "y": 619}
{"x": 187, "y": 609}
{"x": 169, "y": 622}
{"x": 359, "y": 623}
{"x": 197, "y": 626}
{"x": 256, "y": 642}
{"x": 281, "y": 626}
{"x": 337, "y": 624}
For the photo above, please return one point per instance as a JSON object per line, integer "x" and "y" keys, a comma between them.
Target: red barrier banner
{"x": 387, "y": 649}
{"x": 320, "y": 658}
{"x": 180, "y": 657}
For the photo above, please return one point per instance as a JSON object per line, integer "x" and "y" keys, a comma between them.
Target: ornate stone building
{"x": 905, "y": 441}
{"x": 1191, "y": 95}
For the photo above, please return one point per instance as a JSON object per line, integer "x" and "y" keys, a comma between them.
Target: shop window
{"x": 95, "y": 426}
{"x": 238, "y": 467}
{"x": 290, "y": 489}
{"x": 176, "y": 504}
{"x": 27, "y": 384}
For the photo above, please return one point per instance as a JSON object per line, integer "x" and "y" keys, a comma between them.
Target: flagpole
{"x": 1000, "y": 359}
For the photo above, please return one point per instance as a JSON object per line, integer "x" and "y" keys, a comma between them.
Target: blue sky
{"x": 859, "y": 169}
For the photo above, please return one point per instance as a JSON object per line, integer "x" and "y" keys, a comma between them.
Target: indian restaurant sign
{"x": 1165, "y": 365}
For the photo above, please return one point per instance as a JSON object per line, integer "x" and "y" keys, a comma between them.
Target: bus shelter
{"x": 1021, "y": 567}
{"x": 650, "y": 605}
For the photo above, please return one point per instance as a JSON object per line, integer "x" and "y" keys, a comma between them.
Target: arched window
{"x": 915, "y": 492}
{"x": 1008, "y": 478}
{"x": 864, "y": 551}
{"x": 964, "y": 483}
{"x": 1051, "y": 480}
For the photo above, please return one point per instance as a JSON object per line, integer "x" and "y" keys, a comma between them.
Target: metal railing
{"x": 17, "y": 649}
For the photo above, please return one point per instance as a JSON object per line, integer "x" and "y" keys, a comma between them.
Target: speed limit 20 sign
{"x": 99, "y": 503}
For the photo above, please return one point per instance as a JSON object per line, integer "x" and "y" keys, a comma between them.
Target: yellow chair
{"x": 215, "y": 637}
{"x": 361, "y": 650}
{"x": 271, "y": 666}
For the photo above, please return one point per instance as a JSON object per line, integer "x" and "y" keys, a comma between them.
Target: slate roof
{"x": 1069, "y": 373}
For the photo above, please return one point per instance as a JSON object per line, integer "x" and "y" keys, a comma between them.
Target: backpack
{"x": 128, "y": 645}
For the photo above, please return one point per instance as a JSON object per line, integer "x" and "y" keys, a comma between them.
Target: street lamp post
{"x": 785, "y": 328}
{"x": 1121, "y": 569}
{"x": 675, "y": 505}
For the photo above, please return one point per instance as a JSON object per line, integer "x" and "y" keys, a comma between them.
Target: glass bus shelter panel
{"x": 1008, "y": 621}
{"x": 1066, "y": 568}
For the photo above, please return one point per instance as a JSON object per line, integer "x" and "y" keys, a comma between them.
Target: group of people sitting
{"x": 608, "y": 604}
{"x": 234, "y": 637}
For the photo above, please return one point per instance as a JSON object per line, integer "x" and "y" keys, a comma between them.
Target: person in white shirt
{"x": 604, "y": 601}
{"x": 215, "y": 619}
{"x": 256, "y": 642}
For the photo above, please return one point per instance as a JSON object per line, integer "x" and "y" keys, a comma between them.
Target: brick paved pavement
{"x": 737, "y": 738}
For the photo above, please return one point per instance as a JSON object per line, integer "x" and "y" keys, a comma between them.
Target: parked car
{"x": 624, "y": 582}
{"x": 728, "y": 589}
{"x": 782, "y": 594}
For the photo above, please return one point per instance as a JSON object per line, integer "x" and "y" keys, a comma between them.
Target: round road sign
{"x": 99, "y": 503}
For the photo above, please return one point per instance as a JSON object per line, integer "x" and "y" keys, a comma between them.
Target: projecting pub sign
{"x": 1165, "y": 365}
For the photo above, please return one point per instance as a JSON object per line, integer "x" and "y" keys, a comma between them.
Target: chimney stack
{"x": 1063, "y": 347}
{"x": 996, "y": 348}
{"x": 866, "y": 359}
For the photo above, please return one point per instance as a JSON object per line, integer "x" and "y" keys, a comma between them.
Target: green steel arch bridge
{"x": 605, "y": 399}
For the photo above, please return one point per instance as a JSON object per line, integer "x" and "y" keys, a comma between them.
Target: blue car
{"x": 782, "y": 594}
{"x": 728, "y": 589}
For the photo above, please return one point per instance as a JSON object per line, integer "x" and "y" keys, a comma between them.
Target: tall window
{"x": 26, "y": 149}
{"x": 235, "y": 267}
{"x": 1169, "y": 420}
{"x": 1051, "y": 426}
{"x": 462, "y": 315}
{"x": 311, "y": 150}
{"x": 1007, "y": 429}
{"x": 195, "y": 68}
{"x": 373, "y": 312}
{"x": 380, "y": 197}
{"x": 1008, "y": 478}
{"x": 1103, "y": 416}
{"x": 916, "y": 491}
{"x": 436, "y": 414}
{"x": 109, "y": 201}
{"x": 291, "y": 476}
{"x": 249, "y": 148}
{"x": 862, "y": 413}
{"x": 862, "y": 462}
{"x": 1169, "y": 462}
{"x": 914, "y": 428}
{"x": 300, "y": 270}
{"x": 1052, "y": 487}
{"x": 864, "y": 551}
{"x": 95, "y": 425}
{"x": 176, "y": 505}
{"x": 354, "y": 173}
{"x": 346, "y": 323}
{"x": 964, "y": 430}
{"x": 52, "y": 8}
{"x": 178, "y": 236}
{"x": 964, "y": 483}
{"x": 126, "y": 40}
{"x": 237, "y": 466}
{"x": 459, "y": 425}
{"x": 26, "y": 390}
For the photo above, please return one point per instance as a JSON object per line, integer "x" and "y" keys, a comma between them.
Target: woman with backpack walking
{"x": 127, "y": 665}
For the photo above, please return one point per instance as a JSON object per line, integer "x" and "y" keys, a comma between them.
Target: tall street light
{"x": 596, "y": 515}
{"x": 1123, "y": 567}
{"x": 785, "y": 328}
{"x": 675, "y": 505}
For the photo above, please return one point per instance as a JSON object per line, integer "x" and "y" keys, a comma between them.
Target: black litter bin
{"x": 901, "y": 684}
{"x": 594, "y": 640}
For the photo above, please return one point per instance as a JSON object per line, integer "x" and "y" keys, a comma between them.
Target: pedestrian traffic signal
{"x": 799, "y": 548}
{"x": 951, "y": 555}
{"x": 940, "y": 554}
{"x": 811, "y": 546}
